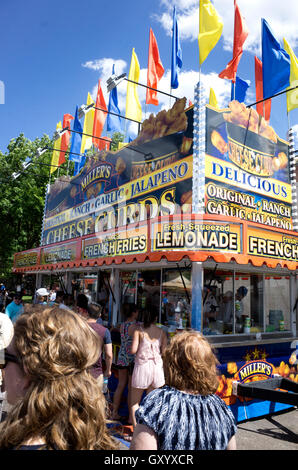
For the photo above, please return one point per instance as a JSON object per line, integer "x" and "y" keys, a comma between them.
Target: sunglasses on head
{"x": 8, "y": 357}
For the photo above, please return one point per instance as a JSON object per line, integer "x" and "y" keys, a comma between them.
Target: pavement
{"x": 278, "y": 431}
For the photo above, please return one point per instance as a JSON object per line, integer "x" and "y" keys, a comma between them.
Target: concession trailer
{"x": 197, "y": 217}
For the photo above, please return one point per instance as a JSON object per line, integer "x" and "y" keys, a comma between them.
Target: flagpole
{"x": 125, "y": 130}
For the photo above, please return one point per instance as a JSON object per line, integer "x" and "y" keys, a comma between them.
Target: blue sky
{"x": 52, "y": 54}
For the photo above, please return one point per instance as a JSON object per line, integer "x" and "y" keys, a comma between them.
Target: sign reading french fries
{"x": 246, "y": 168}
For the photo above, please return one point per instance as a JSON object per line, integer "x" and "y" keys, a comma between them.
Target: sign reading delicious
{"x": 150, "y": 177}
{"x": 247, "y": 174}
{"x": 203, "y": 236}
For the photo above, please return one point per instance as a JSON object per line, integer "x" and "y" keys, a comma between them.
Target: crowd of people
{"x": 56, "y": 359}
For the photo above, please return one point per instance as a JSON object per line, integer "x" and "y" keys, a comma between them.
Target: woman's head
{"x": 57, "y": 398}
{"x": 189, "y": 364}
{"x": 54, "y": 343}
{"x": 149, "y": 317}
{"x": 129, "y": 311}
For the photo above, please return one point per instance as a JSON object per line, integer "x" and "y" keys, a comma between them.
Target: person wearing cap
{"x": 15, "y": 308}
{"x": 41, "y": 296}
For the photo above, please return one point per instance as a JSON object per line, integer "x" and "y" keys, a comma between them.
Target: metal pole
{"x": 273, "y": 96}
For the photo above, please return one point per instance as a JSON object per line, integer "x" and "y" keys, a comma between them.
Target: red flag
{"x": 155, "y": 70}
{"x": 240, "y": 35}
{"x": 99, "y": 116}
{"x": 104, "y": 144}
{"x": 65, "y": 138}
{"x": 264, "y": 108}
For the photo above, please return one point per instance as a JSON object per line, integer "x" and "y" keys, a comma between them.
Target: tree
{"x": 22, "y": 194}
{"x": 22, "y": 197}
{"x": 116, "y": 138}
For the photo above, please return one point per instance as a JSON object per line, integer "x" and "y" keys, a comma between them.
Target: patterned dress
{"x": 182, "y": 421}
{"x": 125, "y": 358}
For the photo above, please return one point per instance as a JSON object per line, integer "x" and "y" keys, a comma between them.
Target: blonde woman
{"x": 57, "y": 404}
{"x": 186, "y": 414}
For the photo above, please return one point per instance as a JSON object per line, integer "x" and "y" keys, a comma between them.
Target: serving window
{"x": 245, "y": 303}
{"x": 277, "y": 301}
{"x": 233, "y": 302}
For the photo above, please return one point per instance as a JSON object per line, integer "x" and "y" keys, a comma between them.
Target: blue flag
{"x": 276, "y": 63}
{"x": 79, "y": 165}
{"x": 240, "y": 90}
{"x": 76, "y": 139}
{"x": 113, "y": 122}
{"x": 176, "y": 53}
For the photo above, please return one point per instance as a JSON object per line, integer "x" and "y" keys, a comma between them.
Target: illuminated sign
{"x": 271, "y": 244}
{"x": 200, "y": 236}
{"x": 119, "y": 243}
{"x": 246, "y": 168}
{"x": 145, "y": 179}
{"x": 25, "y": 259}
{"x": 59, "y": 253}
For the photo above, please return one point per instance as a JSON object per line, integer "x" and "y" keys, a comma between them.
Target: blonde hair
{"x": 190, "y": 365}
{"x": 63, "y": 405}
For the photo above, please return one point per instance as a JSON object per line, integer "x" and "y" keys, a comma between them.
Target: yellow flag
{"x": 133, "y": 106}
{"x": 211, "y": 26}
{"x": 292, "y": 96}
{"x": 212, "y": 99}
{"x": 88, "y": 126}
{"x": 56, "y": 152}
{"x": 121, "y": 145}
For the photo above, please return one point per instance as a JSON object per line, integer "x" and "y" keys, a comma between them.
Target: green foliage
{"x": 116, "y": 138}
{"x": 22, "y": 198}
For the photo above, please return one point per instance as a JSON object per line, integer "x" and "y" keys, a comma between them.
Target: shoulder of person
{"x": 133, "y": 328}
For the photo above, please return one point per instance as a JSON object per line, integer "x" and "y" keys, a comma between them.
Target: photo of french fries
{"x": 186, "y": 202}
{"x": 250, "y": 119}
{"x": 218, "y": 142}
{"x": 164, "y": 123}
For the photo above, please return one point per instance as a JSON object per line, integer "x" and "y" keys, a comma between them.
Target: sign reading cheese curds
{"x": 150, "y": 177}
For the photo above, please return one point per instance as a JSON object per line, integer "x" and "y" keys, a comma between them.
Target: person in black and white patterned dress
{"x": 186, "y": 414}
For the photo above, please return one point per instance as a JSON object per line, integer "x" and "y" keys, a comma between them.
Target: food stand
{"x": 194, "y": 218}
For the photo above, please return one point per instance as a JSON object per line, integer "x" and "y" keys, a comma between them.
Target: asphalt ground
{"x": 278, "y": 431}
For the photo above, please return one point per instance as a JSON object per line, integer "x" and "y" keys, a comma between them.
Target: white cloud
{"x": 282, "y": 17}
{"x": 187, "y": 82}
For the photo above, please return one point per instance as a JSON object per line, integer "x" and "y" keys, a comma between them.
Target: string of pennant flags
{"x": 275, "y": 72}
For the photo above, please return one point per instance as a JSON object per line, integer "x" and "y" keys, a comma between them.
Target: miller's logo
{"x": 101, "y": 172}
{"x": 255, "y": 368}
